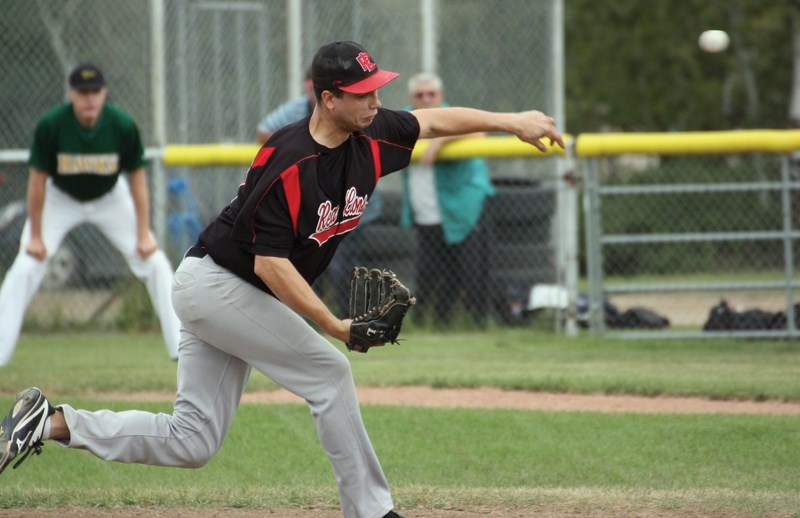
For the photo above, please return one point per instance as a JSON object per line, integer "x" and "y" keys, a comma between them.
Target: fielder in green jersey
{"x": 79, "y": 151}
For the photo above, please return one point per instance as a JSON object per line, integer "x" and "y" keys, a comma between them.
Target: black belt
{"x": 196, "y": 251}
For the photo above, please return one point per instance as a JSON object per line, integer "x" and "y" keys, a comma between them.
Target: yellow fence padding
{"x": 688, "y": 143}
{"x": 584, "y": 145}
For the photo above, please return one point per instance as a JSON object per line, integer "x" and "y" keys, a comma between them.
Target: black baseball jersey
{"x": 300, "y": 199}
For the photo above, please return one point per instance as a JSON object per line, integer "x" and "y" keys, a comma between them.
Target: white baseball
{"x": 714, "y": 41}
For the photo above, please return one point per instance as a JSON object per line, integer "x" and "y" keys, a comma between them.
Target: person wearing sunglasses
{"x": 443, "y": 201}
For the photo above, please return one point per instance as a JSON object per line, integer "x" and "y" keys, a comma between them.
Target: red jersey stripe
{"x": 291, "y": 186}
{"x": 262, "y": 156}
{"x": 376, "y": 158}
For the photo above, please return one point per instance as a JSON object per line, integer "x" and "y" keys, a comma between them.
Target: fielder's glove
{"x": 378, "y": 304}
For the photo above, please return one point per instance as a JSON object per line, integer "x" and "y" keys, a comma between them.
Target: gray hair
{"x": 424, "y": 77}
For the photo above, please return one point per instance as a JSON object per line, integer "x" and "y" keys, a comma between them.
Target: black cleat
{"x": 21, "y": 430}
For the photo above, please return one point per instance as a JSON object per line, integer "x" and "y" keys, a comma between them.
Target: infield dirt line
{"x": 421, "y": 396}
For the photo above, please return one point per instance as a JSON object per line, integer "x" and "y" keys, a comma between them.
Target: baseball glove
{"x": 378, "y": 304}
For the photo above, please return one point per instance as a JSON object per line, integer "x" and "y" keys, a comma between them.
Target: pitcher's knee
{"x": 195, "y": 445}
{"x": 198, "y": 459}
{"x": 195, "y": 452}
{"x": 339, "y": 367}
{"x": 325, "y": 393}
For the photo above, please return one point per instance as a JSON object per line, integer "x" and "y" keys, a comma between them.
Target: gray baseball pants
{"x": 228, "y": 327}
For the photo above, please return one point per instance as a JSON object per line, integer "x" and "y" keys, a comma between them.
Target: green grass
{"x": 272, "y": 458}
{"x": 561, "y": 462}
{"x": 511, "y": 359}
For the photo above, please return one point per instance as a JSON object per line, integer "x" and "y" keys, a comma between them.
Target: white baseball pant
{"x": 230, "y": 326}
{"x": 114, "y": 215}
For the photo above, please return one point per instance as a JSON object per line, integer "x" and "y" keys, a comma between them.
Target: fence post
{"x": 294, "y": 48}
{"x": 430, "y": 36}
{"x": 594, "y": 261}
{"x": 788, "y": 254}
{"x": 157, "y": 82}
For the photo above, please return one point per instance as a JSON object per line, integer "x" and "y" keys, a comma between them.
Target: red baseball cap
{"x": 347, "y": 66}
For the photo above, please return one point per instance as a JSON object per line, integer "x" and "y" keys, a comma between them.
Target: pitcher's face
{"x": 355, "y": 112}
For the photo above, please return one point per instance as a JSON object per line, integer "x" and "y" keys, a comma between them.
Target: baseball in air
{"x": 714, "y": 41}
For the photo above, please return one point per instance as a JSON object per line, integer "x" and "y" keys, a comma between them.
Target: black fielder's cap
{"x": 347, "y": 66}
{"x": 86, "y": 77}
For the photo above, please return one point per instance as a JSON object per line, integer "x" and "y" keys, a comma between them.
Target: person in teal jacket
{"x": 443, "y": 201}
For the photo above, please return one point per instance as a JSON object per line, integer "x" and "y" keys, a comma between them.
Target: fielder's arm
{"x": 37, "y": 180}
{"x": 528, "y": 126}
{"x": 145, "y": 243}
{"x": 283, "y": 279}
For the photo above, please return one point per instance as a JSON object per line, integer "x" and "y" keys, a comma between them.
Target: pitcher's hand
{"x": 535, "y": 125}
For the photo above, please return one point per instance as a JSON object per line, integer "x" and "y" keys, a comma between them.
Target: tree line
{"x": 635, "y": 65}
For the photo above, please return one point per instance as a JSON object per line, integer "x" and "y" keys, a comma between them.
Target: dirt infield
{"x": 487, "y": 397}
{"x": 496, "y": 398}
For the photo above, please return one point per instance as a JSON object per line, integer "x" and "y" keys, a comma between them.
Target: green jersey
{"x": 86, "y": 163}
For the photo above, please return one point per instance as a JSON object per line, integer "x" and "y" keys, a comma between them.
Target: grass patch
{"x": 435, "y": 457}
{"x": 562, "y": 463}
{"x": 509, "y": 358}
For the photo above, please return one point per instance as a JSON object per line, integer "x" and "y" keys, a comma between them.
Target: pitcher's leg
{"x": 315, "y": 370}
{"x": 363, "y": 488}
{"x": 276, "y": 341}
{"x": 210, "y": 384}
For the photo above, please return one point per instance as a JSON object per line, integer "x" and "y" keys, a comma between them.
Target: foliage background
{"x": 635, "y": 66}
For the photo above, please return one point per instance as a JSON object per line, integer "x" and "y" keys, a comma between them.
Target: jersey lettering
{"x": 104, "y": 165}
{"x": 328, "y": 224}
{"x": 354, "y": 205}
{"x": 328, "y": 214}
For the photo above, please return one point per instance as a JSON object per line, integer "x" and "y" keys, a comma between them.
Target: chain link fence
{"x": 227, "y": 65}
{"x": 693, "y": 245}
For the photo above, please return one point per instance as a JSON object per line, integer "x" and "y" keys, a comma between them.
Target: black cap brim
{"x": 89, "y": 86}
